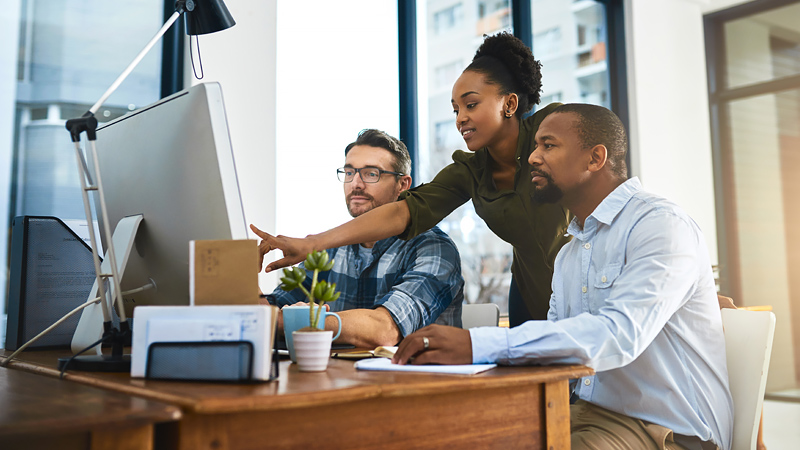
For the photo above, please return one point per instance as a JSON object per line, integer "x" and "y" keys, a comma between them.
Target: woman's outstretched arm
{"x": 382, "y": 222}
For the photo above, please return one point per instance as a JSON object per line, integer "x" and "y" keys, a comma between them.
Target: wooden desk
{"x": 508, "y": 407}
{"x": 39, "y": 412}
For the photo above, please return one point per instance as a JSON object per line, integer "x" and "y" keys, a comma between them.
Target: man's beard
{"x": 353, "y": 213}
{"x": 549, "y": 193}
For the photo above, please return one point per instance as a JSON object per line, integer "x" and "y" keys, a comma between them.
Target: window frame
{"x": 719, "y": 97}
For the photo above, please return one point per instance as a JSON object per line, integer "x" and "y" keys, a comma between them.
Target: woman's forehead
{"x": 471, "y": 82}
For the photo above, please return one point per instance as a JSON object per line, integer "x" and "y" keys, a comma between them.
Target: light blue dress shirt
{"x": 633, "y": 298}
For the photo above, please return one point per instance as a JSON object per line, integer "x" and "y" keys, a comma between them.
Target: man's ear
{"x": 598, "y": 157}
{"x": 405, "y": 183}
{"x": 511, "y": 104}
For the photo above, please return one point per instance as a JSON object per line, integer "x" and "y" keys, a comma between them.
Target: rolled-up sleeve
{"x": 429, "y": 203}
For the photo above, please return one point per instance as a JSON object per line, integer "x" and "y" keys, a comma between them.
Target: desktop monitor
{"x": 171, "y": 162}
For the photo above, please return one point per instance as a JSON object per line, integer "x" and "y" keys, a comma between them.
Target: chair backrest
{"x": 479, "y": 315}
{"x": 748, "y": 345}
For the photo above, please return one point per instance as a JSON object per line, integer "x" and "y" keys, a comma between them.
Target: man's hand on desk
{"x": 294, "y": 250}
{"x": 445, "y": 345}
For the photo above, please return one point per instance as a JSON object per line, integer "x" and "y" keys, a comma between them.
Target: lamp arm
{"x": 136, "y": 60}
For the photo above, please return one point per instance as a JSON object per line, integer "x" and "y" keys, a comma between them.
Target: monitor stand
{"x": 93, "y": 325}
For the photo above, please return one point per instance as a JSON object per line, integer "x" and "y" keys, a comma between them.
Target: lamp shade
{"x": 208, "y": 16}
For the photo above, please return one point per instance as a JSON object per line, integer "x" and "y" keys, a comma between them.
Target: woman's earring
{"x": 508, "y": 114}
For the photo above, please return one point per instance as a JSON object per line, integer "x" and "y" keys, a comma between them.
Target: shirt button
{"x": 587, "y": 246}
{"x": 604, "y": 279}
{"x": 583, "y": 289}
{"x": 587, "y": 382}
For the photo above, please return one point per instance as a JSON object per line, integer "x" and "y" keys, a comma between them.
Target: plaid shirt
{"x": 418, "y": 281}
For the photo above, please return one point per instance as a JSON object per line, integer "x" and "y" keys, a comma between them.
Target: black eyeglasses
{"x": 368, "y": 174}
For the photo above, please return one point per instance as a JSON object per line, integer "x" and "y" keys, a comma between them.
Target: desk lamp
{"x": 202, "y": 17}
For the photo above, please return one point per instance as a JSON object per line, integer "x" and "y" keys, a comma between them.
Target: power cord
{"x": 199, "y": 58}
{"x": 64, "y": 368}
{"x": 5, "y": 362}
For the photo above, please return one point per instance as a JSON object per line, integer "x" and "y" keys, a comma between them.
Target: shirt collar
{"x": 378, "y": 249}
{"x": 608, "y": 209}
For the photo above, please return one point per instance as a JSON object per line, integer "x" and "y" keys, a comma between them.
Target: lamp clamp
{"x": 87, "y": 122}
{"x": 182, "y": 6}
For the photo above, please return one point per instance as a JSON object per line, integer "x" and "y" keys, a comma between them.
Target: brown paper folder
{"x": 223, "y": 272}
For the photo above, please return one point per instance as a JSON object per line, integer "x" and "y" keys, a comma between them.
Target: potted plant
{"x": 312, "y": 344}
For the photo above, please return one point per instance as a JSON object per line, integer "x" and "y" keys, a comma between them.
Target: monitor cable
{"x": 95, "y": 300}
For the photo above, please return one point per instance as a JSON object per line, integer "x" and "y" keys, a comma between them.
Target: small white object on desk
{"x": 386, "y": 364}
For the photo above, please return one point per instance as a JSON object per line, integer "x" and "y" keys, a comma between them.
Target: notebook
{"x": 386, "y": 364}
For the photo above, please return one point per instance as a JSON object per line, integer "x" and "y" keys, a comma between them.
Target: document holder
{"x": 201, "y": 361}
{"x": 50, "y": 272}
{"x": 211, "y": 343}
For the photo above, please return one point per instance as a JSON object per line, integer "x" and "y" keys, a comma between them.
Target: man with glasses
{"x": 389, "y": 288}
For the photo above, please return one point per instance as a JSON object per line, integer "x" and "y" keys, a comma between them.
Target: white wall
{"x": 242, "y": 60}
{"x": 337, "y": 75}
{"x": 670, "y": 128}
{"x": 297, "y": 91}
{"x": 9, "y": 46}
{"x": 668, "y": 95}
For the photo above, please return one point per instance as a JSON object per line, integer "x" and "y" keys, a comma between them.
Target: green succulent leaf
{"x": 326, "y": 267}
{"x": 298, "y": 274}
{"x": 319, "y": 290}
{"x": 288, "y": 284}
{"x": 323, "y": 292}
{"x": 330, "y": 293}
{"x": 319, "y": 260}
{"x": 293, "y": 277}
{"x": 311, "y": 261}
{"x": 322, "y": 260}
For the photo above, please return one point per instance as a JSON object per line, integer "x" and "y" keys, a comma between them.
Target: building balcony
{"x": 494, "y": 22}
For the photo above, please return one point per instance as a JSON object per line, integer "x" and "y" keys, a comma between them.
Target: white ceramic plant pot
{"x": 313, "y": 349}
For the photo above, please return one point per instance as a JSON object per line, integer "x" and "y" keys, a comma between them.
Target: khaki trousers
{"x": 596, "y": 428}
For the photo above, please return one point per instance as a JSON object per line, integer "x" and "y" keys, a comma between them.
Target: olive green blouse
{"x": 535, "y": 230}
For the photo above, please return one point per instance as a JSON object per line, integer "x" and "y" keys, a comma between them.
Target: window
{"x": 62, "y": 69}
{"x": 568, "y": 75}
{"x": 448, "y": 18}
{"x": 484, "y": 256}
{"x": 493, "y": 16}
{"x": 552, "y": 98}
{"x": 547, "y": 44}
{"x": 579, "y": 72}
{"x": 755, "y": 114}
{"x": 444, "y": 75}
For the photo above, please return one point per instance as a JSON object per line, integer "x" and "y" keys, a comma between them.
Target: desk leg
{"x": 128, "y": 438}
{"x": 556, "y": 414}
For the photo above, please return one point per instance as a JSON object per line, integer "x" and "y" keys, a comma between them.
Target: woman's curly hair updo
{"x": 507, "y": 62}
